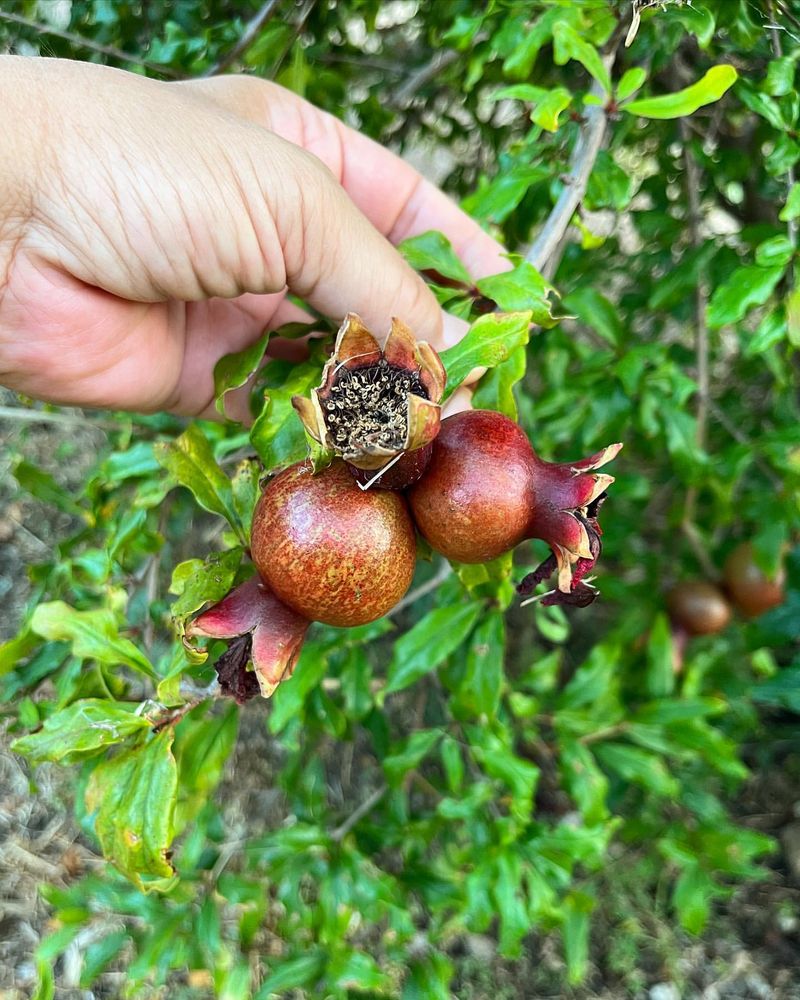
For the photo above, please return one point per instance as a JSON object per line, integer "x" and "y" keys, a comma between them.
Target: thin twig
{"x": 358, "y": 814}
{"x": 298, "y": 28}
{"x": 246, "y": 39}
{"x": 424, "y": 75}
{"x": 723, "y": 420}
{"x": 440, "y": 576}
{"x": 777, "y": 48}
{"x": 545, "y": 248}
{"x": 88, "y": 43}
{"x": 688, "y": 525}
{"x": 66, "y": 419}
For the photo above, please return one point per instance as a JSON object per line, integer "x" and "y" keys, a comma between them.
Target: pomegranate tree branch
{"x": 424, "y": 75}
{"x": 546, "y": 247}
{"x": 87, "y": 43}
{"x": 247, "y": 38}
{"x": 777, "y": 48}
{"x": 358, "y": 814}
{"x": 692, "y": 184}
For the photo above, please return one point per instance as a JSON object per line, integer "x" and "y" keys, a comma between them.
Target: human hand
{"x": 147, "y": 229}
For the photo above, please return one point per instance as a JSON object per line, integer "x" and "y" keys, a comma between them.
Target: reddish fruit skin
{"x": 329, "y": 550}
{"x": 402, "y": 473}
{"x": 474, "y": 501}
{"x": 698, "y": 607}
{"x": 749, "y": 589}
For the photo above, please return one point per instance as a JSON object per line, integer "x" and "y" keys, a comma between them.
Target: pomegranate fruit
{"x": 698, "y": 607}
{"x": 485, "y": 490}
{"x": 378, "y": 409}
{"x": 748, "y": 587}
{"x": 329, "y": 550}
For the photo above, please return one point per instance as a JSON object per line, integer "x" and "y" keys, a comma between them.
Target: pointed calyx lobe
{"x": 264, "y": 632}
{"x": 377, "y": 408}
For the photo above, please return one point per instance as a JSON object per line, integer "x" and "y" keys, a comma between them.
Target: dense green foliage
{"x": 505, "y": 757}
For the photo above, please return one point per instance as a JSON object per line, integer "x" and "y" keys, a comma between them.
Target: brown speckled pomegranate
{"x": 329, "y": 550}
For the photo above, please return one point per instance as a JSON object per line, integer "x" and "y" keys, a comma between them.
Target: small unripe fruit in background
{"x": 747, "y": 585}
{"x": 698, "y": 607}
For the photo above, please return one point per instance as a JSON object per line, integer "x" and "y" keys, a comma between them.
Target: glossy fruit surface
{"x": 698, "y": 607}
{"x": 473, "y": 503}
{"x": 329, "y": 550}
{"x": 747, "y": 585}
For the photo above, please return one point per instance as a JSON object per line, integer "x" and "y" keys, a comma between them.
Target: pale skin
{"x": 147, "y": 229}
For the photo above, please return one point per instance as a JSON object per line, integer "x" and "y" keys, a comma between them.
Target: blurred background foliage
{"x": 465, "y": 770}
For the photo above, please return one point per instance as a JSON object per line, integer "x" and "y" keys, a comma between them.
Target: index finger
{"x": 394, "y": 196}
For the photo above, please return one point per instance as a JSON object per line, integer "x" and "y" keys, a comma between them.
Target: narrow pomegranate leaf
{"x": 191, "y": 462}
{"x": 93, "y": 635}
{"x": 246, "y": 491}
{"x": 482, "y": 681}
{"x": 431, "y": 251}
{"x": 277, "y": 434}
{"x": 422, "y": 649}
{"x": 489, "y": 341}
{"x": 81, "y": 730}
{"x": 133, "y": 796}
{"x": 233, "y": 370}
{"x": 522, "y": 288}
{"x": 200, "y": 581}
{"x": 202, "y": 745}
{"x": 709, "y": 88}
{"x": 409, "y": 754}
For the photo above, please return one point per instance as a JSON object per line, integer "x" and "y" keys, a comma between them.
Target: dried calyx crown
{"x": 373, "y": 403}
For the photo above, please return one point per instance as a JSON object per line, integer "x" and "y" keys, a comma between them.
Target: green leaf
{"x": 568, "y": 44}
{"x": 761, "y": 104}
{"x": 233, "y": 370}
{"x": 632, "y": 80}
{"x": 429, "y": 978}
{"x": 637, "y": 766}
{"x": 747, "y": 287}
{"x": 42, "y": 486}
{"x": 791, "y": 210}
{"x": 770, "y": 331}
{"x": 609, "y": 185}
{"x": 246, "y": 491}
{"x": 577, "y": 907}
{"x": 495, "y": 390}
{"x": 782, "y": 690}
{"x": 17, "y": 649}
{"x": 133, "y": 795}
{"x": 482, "y": 681}
{"x": 496, "y": 200}
{"x": 506, "y": 889}
{"x": 522, "y": 288}
{"x": 277, "y": 434}
{"x": 692, "y": 897}
{"x": 410, "y": 754}
{"x": 519, "y": 775}
{"x": 547, "y": 105}
{"x": 292, "y": 974}
{"x": 780, "y": 76}
{"x": 80, "y": 730}
{"x": 660, "y": 676}
{"x": 774, "y": 252}
{"x": 428, "y": 644}
{"x": 488, "y": 342}
{"x": 584, "y": 781}
{"x": 202, "y": 746}
{"x": 190, "y": 460}
{"x": 431, "y": 251}
{"x": 93, "y": 635}
{"x": 201, "y": 581}
{"x": 597, "y": 312}
{"x": 698, "y": 20}
{"x": 708, "y": 89}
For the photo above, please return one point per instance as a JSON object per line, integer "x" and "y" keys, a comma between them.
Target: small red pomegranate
{"x": 329, "y": 550}
{"x": 486, "y": 490}
{"x": 698, "y": 607}
{"x": 749, "y": 588}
